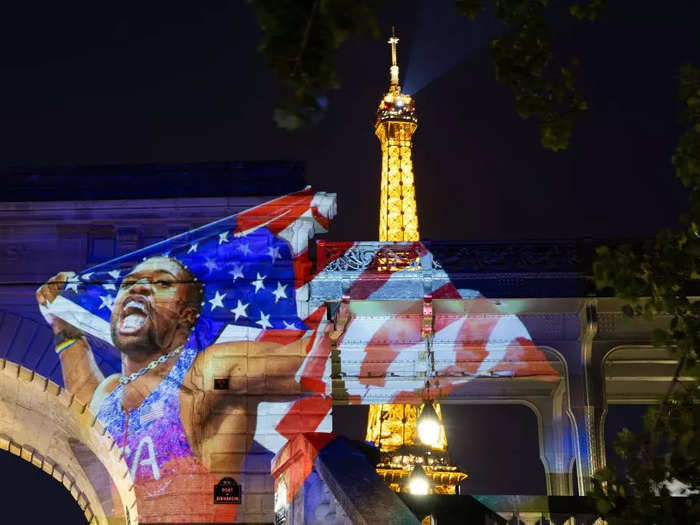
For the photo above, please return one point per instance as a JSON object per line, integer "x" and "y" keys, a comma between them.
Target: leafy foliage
{"x": 665, "y": 271}
{"x": 299, "y": 42}
{"x": 543, "y": 87}
{"x": 590, "y": 11}
{"x": 301, "y": 37}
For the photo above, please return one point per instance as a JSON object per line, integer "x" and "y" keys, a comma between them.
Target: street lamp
{"x": 429, "y": 425}
{"x": 419, "y": 482}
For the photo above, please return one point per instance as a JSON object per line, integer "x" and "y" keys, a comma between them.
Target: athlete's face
{"x": 151, "y": 310}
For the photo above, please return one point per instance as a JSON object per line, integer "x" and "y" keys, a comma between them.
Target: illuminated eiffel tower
{"x": 396, "y": 122}
{"x": 394, "y": 427}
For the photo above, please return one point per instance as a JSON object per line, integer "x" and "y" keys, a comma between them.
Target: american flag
{"x": 383, "y": 353}
{"x": 253, "y": 266}
{"x": 256, "y": 275}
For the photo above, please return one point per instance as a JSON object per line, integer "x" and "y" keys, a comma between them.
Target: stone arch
{"x": 47, "y": 426}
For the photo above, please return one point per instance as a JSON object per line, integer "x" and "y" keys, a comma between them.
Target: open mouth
{"x": 133, "y": 315}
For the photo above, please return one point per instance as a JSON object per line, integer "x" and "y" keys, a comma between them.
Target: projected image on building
{"x": 207, "y": 334}
{"x": 222, "y": 340}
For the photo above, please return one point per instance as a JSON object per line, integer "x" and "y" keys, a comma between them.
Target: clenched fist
{"x": 47, "y": 293}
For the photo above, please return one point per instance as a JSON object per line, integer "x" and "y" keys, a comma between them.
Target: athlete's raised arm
{"x": 81, "y": 375}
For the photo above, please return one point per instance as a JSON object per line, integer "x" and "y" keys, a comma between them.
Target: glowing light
{"x": 418, "y": 482}
{"x": 393, "y": 426}
{"x": 396, "y": 122}
{"x": 429, "y": 426}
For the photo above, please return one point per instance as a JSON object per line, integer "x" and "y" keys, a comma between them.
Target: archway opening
{"x": 619, "y": 417}
{"x": 30, "y": 495}
{"x": 498, "y": 446}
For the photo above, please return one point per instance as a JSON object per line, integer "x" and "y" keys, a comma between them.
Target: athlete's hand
{"x": 47, "y": 293}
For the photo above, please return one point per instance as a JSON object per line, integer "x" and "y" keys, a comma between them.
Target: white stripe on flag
{"x": 326, "y": 424}
{"x": 235, "y": 333}
{"x": 79, "y": 317}
{"x": 403, "y": 283}
{"x": 301, "y": 296}
{"x": 508, "y": 328}
{"x": 444, "y": 342}
{"x": 298, "y": 233}
{"x": 313, "y": 355}
{"x": 269, "y": 415}
{"x": 325, "y": 203}
{"x": 258, "y": 226}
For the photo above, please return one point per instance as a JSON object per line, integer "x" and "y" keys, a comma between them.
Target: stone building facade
{"x": 71, "y": 218}
{"x": 62, "y": 219}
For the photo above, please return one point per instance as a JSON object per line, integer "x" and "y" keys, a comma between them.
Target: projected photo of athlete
{"x": 160, "y": 407}
{"x": 224, "y": 354}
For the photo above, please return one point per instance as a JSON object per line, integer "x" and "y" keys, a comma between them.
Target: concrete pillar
{"x": 587, "y": 398}
{"x": 556, "y": 442}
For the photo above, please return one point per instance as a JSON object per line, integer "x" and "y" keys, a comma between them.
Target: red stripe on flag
{"x": 295, "y": 461}
{"x": 323, "y": 221}
{"x": 398, "y": 333}
{"x": 446, "y": 291}
{"x": 302, "y": 269}
{"x": 325, "y": 256}
{"x": 283, "y": 337}
{"x": 315, "y": 366}
{"x": 315, "y": 318}
{"x": 284, "y": 210}
{"x": 304, "y": 416}
{"x": 523, "y": 358}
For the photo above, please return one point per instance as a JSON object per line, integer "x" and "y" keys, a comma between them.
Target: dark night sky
{"x": 127, "y": 82}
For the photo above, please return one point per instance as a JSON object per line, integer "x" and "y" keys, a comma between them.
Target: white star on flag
{"x": 114, "y": 274}
{"x": 86, "y": 276}
{"x": 217, "y": 300}
{"x": 193, "y": 247}
{"x": 211, "y": 265}
{"x": 279, "y": 293}
{"x": 244, "y": 248}
{"x": 107, "y": 302}
{"x": 264, "y": 320}
{"x": 240, "y": 310}
{"x": 274, "y": 252}
{"x": 258, "y": 283}
{"x": 223, "y": 237}
{"x": 289, "y": 326}
{"x": 72, "y": 283}
{"x": 237, "y": 272}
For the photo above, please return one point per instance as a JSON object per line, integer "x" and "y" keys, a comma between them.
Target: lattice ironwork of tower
{"x": 394, "y": 127}
{"x": 393, "y": 427}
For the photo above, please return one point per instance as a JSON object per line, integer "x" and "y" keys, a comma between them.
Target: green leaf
{"x": 603, "y": 506}
{"x": 659, "y": 337}
{"x": 469, "y": 8}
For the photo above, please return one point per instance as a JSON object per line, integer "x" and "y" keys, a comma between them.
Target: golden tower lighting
{"x": 394, "y": 127}
{"x": 411, "y": 439}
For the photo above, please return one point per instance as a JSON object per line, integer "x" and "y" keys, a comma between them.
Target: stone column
{"x": 588, "y": 405}
{"x": 556, "y": 442}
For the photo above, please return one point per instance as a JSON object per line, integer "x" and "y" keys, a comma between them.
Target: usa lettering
{"x": 145, "y": 457}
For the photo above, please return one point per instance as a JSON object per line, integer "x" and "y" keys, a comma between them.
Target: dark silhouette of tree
{"x": 660, "y": 277}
